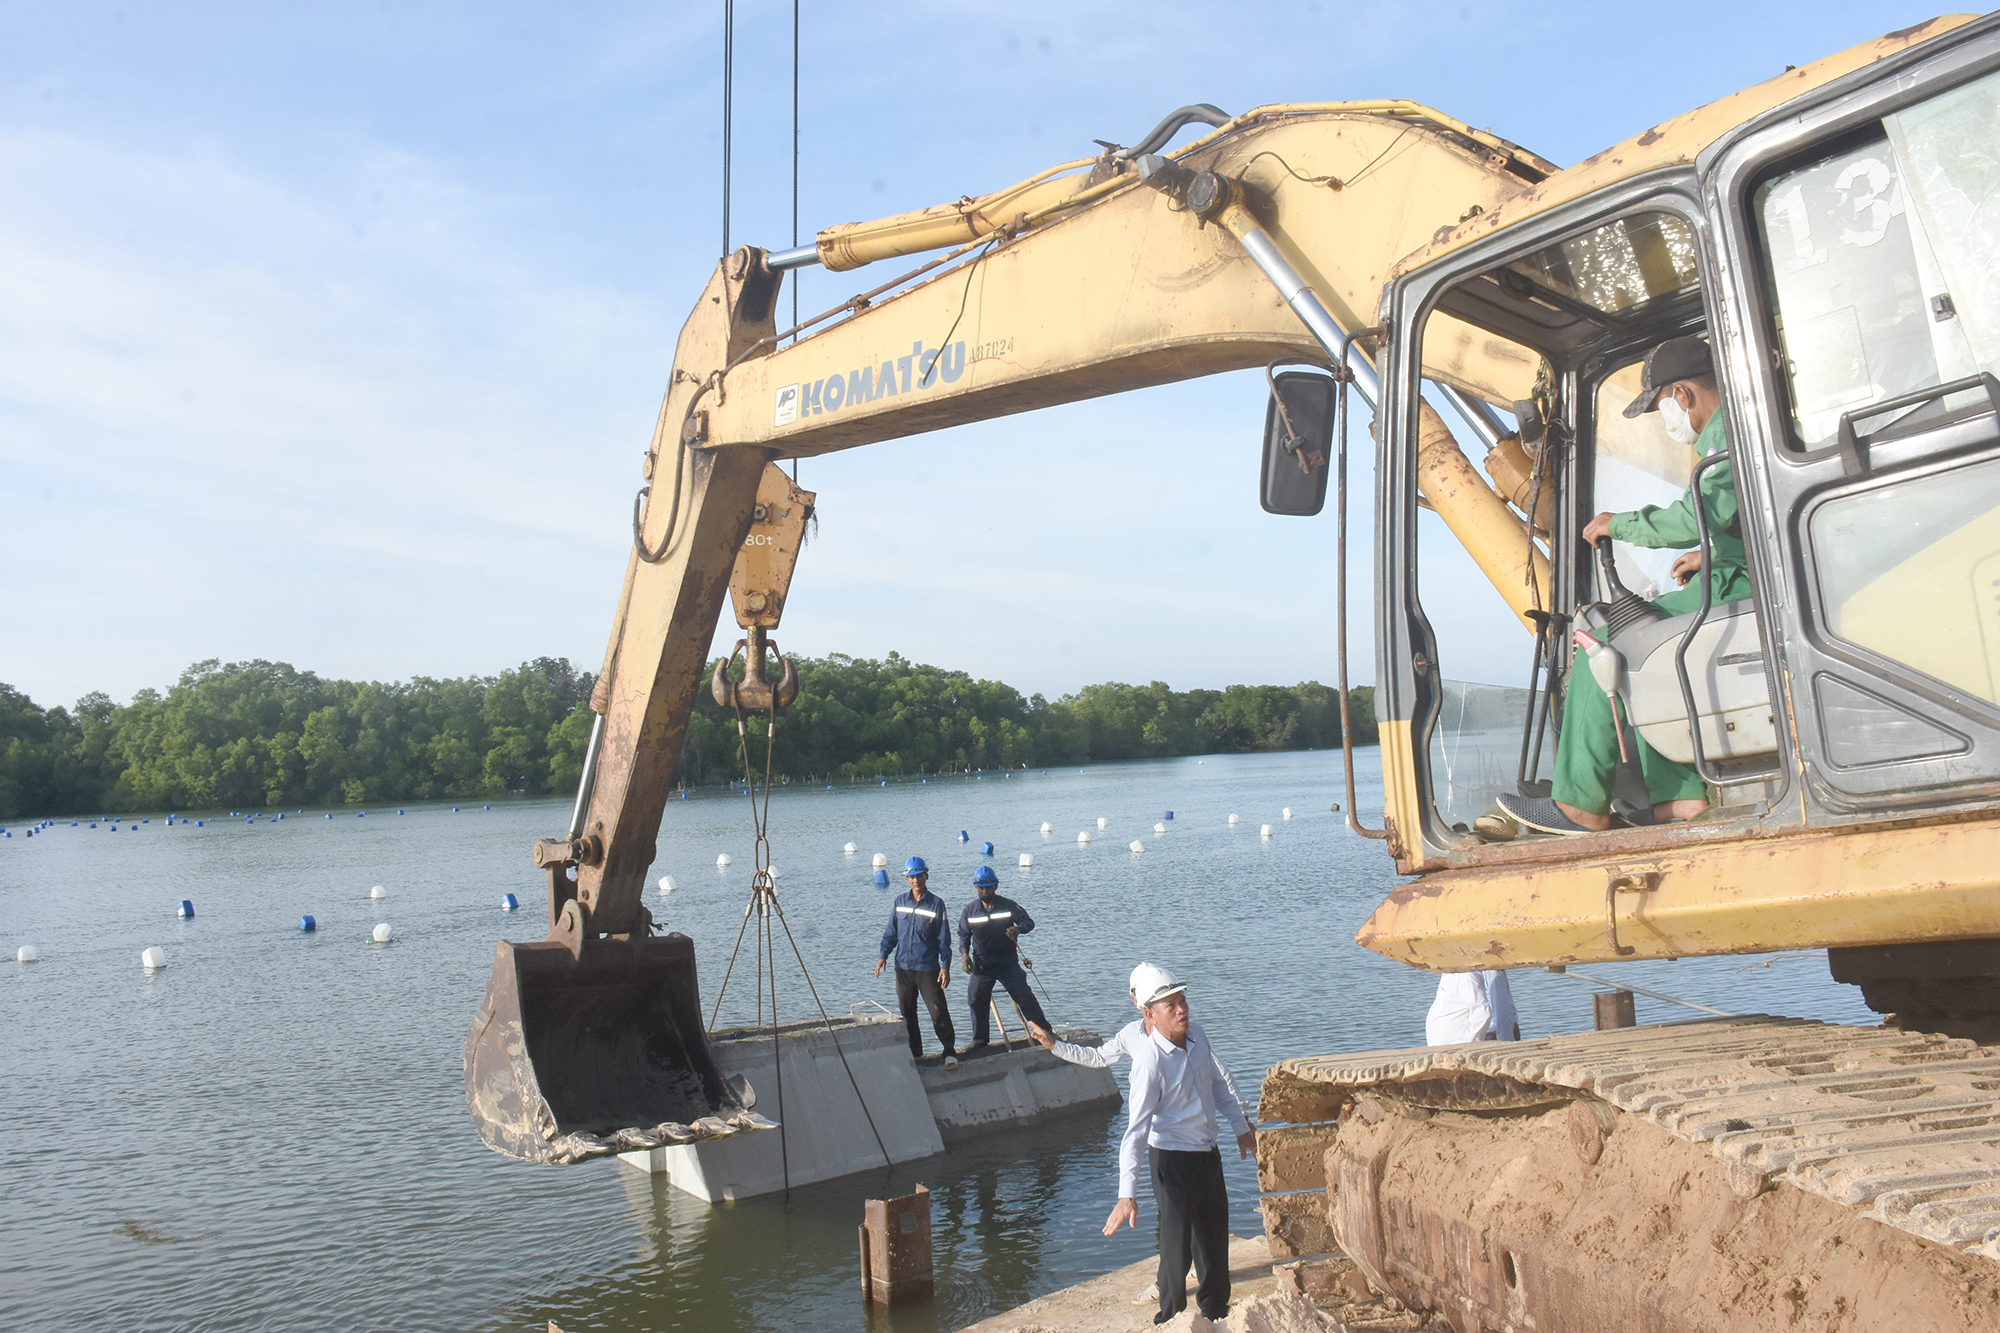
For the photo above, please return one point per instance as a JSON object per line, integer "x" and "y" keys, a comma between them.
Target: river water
{"x": 270, "y": 1132}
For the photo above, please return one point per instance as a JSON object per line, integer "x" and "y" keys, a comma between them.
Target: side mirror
{"x": 1298, "y": 442}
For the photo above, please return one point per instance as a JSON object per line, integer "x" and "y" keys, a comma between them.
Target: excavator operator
{"x": 1678, "y": 382}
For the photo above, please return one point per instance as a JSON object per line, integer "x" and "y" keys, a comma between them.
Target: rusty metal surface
{"x": 1900, "y": 1127}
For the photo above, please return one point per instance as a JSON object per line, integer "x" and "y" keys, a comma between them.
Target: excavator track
{"x": 1513, "y": 1186}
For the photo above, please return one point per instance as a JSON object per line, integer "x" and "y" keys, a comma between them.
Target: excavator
{"x": 1833, "y": 233}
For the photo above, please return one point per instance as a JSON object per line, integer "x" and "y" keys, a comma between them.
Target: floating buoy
{"x": 722, "y": 861}
{"x": 1234, "y": 820}
{"x": 881, "y": 876}
{"x": 986, "y": 849}
{"x": 378, "y": 892}
{"x": 1026, "y": 860}
{"x": 1288, "y": 812}
{"x": 880, "y": 860}
{"x": 962, "y": 837}
{"x": 667, "y": 885}
{"x": 199, "y": 823}
{"x": 1046, "y": 828}
{"x": 1084, "y": 836}
{"x": 509, "y": 903}
{"x": 329, "y": 816}
{"x": 1265, "y": 831}
{"x": 849, "y": 849}
{"x": 398, "y": 812}
{"x": 185, "y": 908}
{"x": 1138, "y": 846}
{"x": 153, "y": 958}
{"x": 382, "y": 934}
{"x": 27, "y": 953}
{"x": 885, "y": 782}
{"x": 145, "y": 821}
{"x": 361, "y": 814}
{"x": 307, "y": 924}
{"x": 1103, "y": 823}
{"x": 1159, "y": 828}
{"x": 485, "y": 807}
{"x": 454, "y": 810}
{"x": 1201, "y": 761}
{"x": 1335, "y": 807}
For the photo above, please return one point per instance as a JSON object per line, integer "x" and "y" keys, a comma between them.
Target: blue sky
{"x": 333, "y": 334}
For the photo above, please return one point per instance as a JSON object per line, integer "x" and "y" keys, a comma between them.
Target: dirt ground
{"x": 1655, "y": 1235}
{"x": 1123, "y": 1301}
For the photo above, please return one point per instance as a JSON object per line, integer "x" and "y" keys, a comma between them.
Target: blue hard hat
{"x": 984, "y": 878}
{"x": 915, "y": 866}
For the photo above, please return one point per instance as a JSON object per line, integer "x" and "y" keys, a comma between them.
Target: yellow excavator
{"x": 1834, "y": 234}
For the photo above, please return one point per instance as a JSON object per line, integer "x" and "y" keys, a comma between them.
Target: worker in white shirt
{"x": 1121, "y": 1045}
{"x": 1178, "y": 1087}
{"x": 1472, "y": 1006}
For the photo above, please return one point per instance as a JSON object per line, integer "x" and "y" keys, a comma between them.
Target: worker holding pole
{"x": 988, "y": 928}
{"x": 1178, "y": 1088}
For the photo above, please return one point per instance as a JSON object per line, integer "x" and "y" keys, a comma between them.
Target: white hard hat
{"x": 1151, "y": 984}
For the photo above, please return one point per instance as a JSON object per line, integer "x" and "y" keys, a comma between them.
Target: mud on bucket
{"x": 586, "y": 1047}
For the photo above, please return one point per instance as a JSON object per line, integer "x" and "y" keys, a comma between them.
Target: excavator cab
{"x": 1838, "y": 253}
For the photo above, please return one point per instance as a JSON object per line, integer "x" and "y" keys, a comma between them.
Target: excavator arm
{"x": 1267, "y": 240}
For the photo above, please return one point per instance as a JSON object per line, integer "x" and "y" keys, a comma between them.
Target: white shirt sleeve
{"x": 1222, "y": 1092}
{"x": 1143, "y": 1100}
{"x": 1094, "y": 1057}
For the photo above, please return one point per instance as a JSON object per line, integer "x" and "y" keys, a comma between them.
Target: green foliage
{"x": 251, "y": 734}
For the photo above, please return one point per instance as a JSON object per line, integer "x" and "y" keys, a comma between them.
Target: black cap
{"x": 1672, "y": 361}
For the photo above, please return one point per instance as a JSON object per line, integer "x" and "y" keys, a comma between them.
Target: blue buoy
{"x": 963, "y": 836}
{"x": 200, "y": 822}
{"x": 508, "y": 902}
{"x": 185, "y": 909}
{"x": 329, "y": 815}
{"x": 145, "y": 821}
{"x": 1045, "y": 772}
{"x": 485, "y": 807}
{"x": 684, "y": 796}
{"x": 72, "y": 824}
{"x": 986, "y": 849}
{"x": 454, "y": 809}
{"x": 881, "y": 877}
{"x": 398, "y": 812}
{"x": 361, "y": 814}
{"x": 829, "y": 786}
{"x": 93, "y": 824}
{"x": 885, "y": 782}
{"x": 306, "y": 923}
{"x": 1170, "y": 814}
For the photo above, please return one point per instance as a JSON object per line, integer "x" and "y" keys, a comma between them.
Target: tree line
{"x": 258, "y": 734}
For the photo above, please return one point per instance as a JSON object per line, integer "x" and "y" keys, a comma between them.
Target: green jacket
{"x": 1673, "y": 526}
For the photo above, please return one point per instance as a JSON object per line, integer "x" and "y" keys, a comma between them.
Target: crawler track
{"x": 1468, "y": 1178}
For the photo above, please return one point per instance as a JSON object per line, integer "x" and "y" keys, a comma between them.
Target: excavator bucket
{"x": 575, "y": 1056}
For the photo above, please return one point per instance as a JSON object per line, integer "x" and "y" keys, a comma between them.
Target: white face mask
{"x": 1672, "y": 415}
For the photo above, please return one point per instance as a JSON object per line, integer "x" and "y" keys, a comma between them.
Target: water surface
{"x": 271, "y": 1132}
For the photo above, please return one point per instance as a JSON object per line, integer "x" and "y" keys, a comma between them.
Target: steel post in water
{"x": 896, "y": 1249}
{"x": 1612, "y": 1009}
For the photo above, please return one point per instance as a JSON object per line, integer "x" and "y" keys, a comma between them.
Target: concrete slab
{"x": 1122, "y": 1301}
{"x": 917, "y": 1109}
{"x": 826, "y": 1132}
{"x": 996, "y": 1086}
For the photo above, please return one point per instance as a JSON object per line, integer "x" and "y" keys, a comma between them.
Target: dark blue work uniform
{"x": 919, "y": 934}
{"x": 991, "y": 955}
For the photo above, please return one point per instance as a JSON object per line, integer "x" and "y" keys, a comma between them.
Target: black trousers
{"x": 1194, "y": 1224}
{"x": 979, "y": 990}
{"x": 924, "y": 982}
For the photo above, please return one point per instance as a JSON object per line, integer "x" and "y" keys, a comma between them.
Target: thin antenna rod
{"x": 728, "y": 107}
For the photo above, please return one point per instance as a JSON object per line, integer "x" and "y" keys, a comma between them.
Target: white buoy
{"x": 1103, "y": 822}
{"x": 27, "y": 953}
{"x": 1083, "y": 836}
{"x": 774, "y": 871}
{"x": 1047, "y": 827}
{"x": 153, "y": 958}
{"x": 722, "y": 861}
{"x": 378, "y": 892}
{"x": 1159, "y": 828}
{"x": 880, "y": 861}
{"x": 666, "y": 885}
{"x": 1138, "y": 846}
{"x": 1234, "y": 820}
{"x": 382, "y": 934}
{"x": 1264, "y": 831}
{"x": 849, "y": 849}
{"x": 1288, "y": 812}
{"x": 1026, "y": 860}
